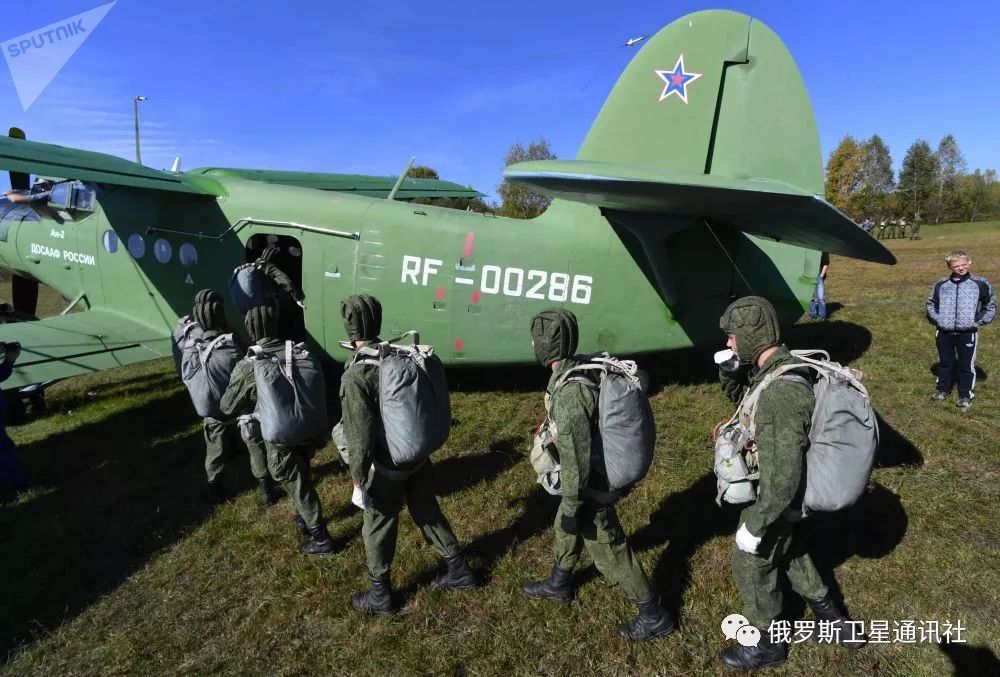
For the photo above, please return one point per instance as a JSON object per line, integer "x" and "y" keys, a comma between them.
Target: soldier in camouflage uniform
{"x": 220, "y": 436}
{"x": 381, "y": 486}
{"x": 586, "y": 515}
{"x": 766, "y": 542}
{"x": 288, "y": 464}
{"x": 285, "y": 295}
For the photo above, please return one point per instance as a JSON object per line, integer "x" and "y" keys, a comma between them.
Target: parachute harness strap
{"x": 726, "y": 252}
{"x": 203, "y": 356}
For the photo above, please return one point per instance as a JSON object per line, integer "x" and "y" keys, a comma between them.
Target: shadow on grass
{"x": 111, "y": 494}
{"x": 457, "y": 473}
{"x": 687, "y": 519}
{"x": 871, "y": 528}
{"x": 894, "y": 450}
{"x": 538, "y": 510}
{"x": 981, "y": 374}
{"x": 971, "y": 661}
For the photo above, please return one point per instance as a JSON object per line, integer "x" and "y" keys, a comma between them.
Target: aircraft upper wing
{"x": 79, "y": 343}
{"x": 762, "y": 207}
{"x": 372, "y": 186}
{"x": 46, "y": 159}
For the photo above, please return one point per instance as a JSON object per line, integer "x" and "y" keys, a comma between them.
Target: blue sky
{"x": 326, "y": 86}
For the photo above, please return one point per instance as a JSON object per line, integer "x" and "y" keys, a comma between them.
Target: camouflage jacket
{"x": 572, "y": 408}
{"x": 280, "y": 279}
{"x": 362, "y": 420}
{"x": 784, "y": 416}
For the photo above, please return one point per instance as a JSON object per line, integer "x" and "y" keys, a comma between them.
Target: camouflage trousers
{"x": 290, "y": 466}
{"x": 381, "y": 520}
{"x": 602, "y": 535}
{"x": 222, "y": 441}
{"x": 758, "y": 577}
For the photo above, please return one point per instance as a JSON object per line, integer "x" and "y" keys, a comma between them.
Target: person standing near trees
{"x": 958, "y": 306}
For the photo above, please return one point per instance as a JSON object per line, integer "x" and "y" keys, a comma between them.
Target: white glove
{"x": 301, "y": 304}
{"x": 746, "y": 541}
{"x": 361, "y": 498}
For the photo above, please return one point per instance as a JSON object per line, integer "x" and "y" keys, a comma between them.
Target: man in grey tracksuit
{"x": 958, "y": 305}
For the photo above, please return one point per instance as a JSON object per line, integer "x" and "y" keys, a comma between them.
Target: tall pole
{"x": 135, "y": 116}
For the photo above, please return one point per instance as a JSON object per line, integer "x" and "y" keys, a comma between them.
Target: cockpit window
{"x": 72, "y": 195}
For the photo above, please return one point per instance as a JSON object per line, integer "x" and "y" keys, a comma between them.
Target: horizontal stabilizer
{"x": 79, "y": 343}
{"x": 45, "y": 159}
{"x": 360, "y": 184}
{"x": 766, "y": 208}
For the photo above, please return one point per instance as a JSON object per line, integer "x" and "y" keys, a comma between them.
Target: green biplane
{"x": 699, "y": 181}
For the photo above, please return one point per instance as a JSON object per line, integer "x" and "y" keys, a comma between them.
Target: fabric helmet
{"x": 261, "y": 322}
{"x": 362, "y": 315}
{"x": 205, "y": 295}
{"x": 209, "y": 310}
{"x": 554, "y": 335}
{"x": 754, "y": 323}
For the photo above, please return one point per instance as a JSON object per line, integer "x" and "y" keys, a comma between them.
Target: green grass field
{"x": 115, "y": 563}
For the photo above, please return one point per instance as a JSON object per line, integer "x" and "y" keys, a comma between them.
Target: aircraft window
{"x": 162, "y": 250}
{"x": 188, "y": 255}
{"x": 110, "y": 241}
{"x": 83, "y": 197}
{"x": 60, "y": 194}
{"x": 136, "y": 246}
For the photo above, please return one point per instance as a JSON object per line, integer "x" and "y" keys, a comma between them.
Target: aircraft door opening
{"x": 278, "y": 262}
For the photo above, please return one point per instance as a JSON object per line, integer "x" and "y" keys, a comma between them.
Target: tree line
{"x": 933, "y": 184}
{"x": 515, "y": 201}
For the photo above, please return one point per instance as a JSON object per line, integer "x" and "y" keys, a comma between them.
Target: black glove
{"x": 570, "y": 524}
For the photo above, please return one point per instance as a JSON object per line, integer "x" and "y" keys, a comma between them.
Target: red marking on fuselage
{"x": 458, "y": 345}
{"x": 475, "y": 296}
{"x": 469, "y": 239}
{"x": 439, "y": 295}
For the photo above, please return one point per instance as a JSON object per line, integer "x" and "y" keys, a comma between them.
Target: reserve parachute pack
{"x": 185, "y": 330}
{"x": 843, "y": 437}
{"x": 291, "y": 394}
{"x": 249, "y": 287}
{"x": 206, "y": 366}
{"x": 413, "y": 397}
{"x": 623, "y": 451}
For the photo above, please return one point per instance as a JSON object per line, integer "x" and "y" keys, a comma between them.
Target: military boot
{"x": 377, "y": 600}
{"x": 302, "y": 527}
{"x": 458, "y": 577}
{"x": 557, "y": 586}
{"x": 217, "y": 494}
{"x": 843, "y": 631}
{"x": 319, "y": 543}
{"x": 269, "y": 494}
{"x": 652, "y": 621}
{"x": 766, "y": 653}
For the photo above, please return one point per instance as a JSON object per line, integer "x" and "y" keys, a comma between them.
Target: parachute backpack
{"x": 413, "y": 397}
{"x": 185, "y": 331}
{"x": 843, "y": 437}
{"x": 623, "y": 451}
{"x": 291, "y": 394}
{"x": 205, "y": 370}
{"x": 249, "y": 287}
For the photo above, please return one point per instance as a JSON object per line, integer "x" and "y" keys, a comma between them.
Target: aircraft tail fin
{"x": 709, "y": 124}
{"x": 714, "y": 92}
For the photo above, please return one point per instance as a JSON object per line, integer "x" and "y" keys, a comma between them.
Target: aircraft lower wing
{"x": 80, "y": 343}
{"x": 762, "y": 207}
